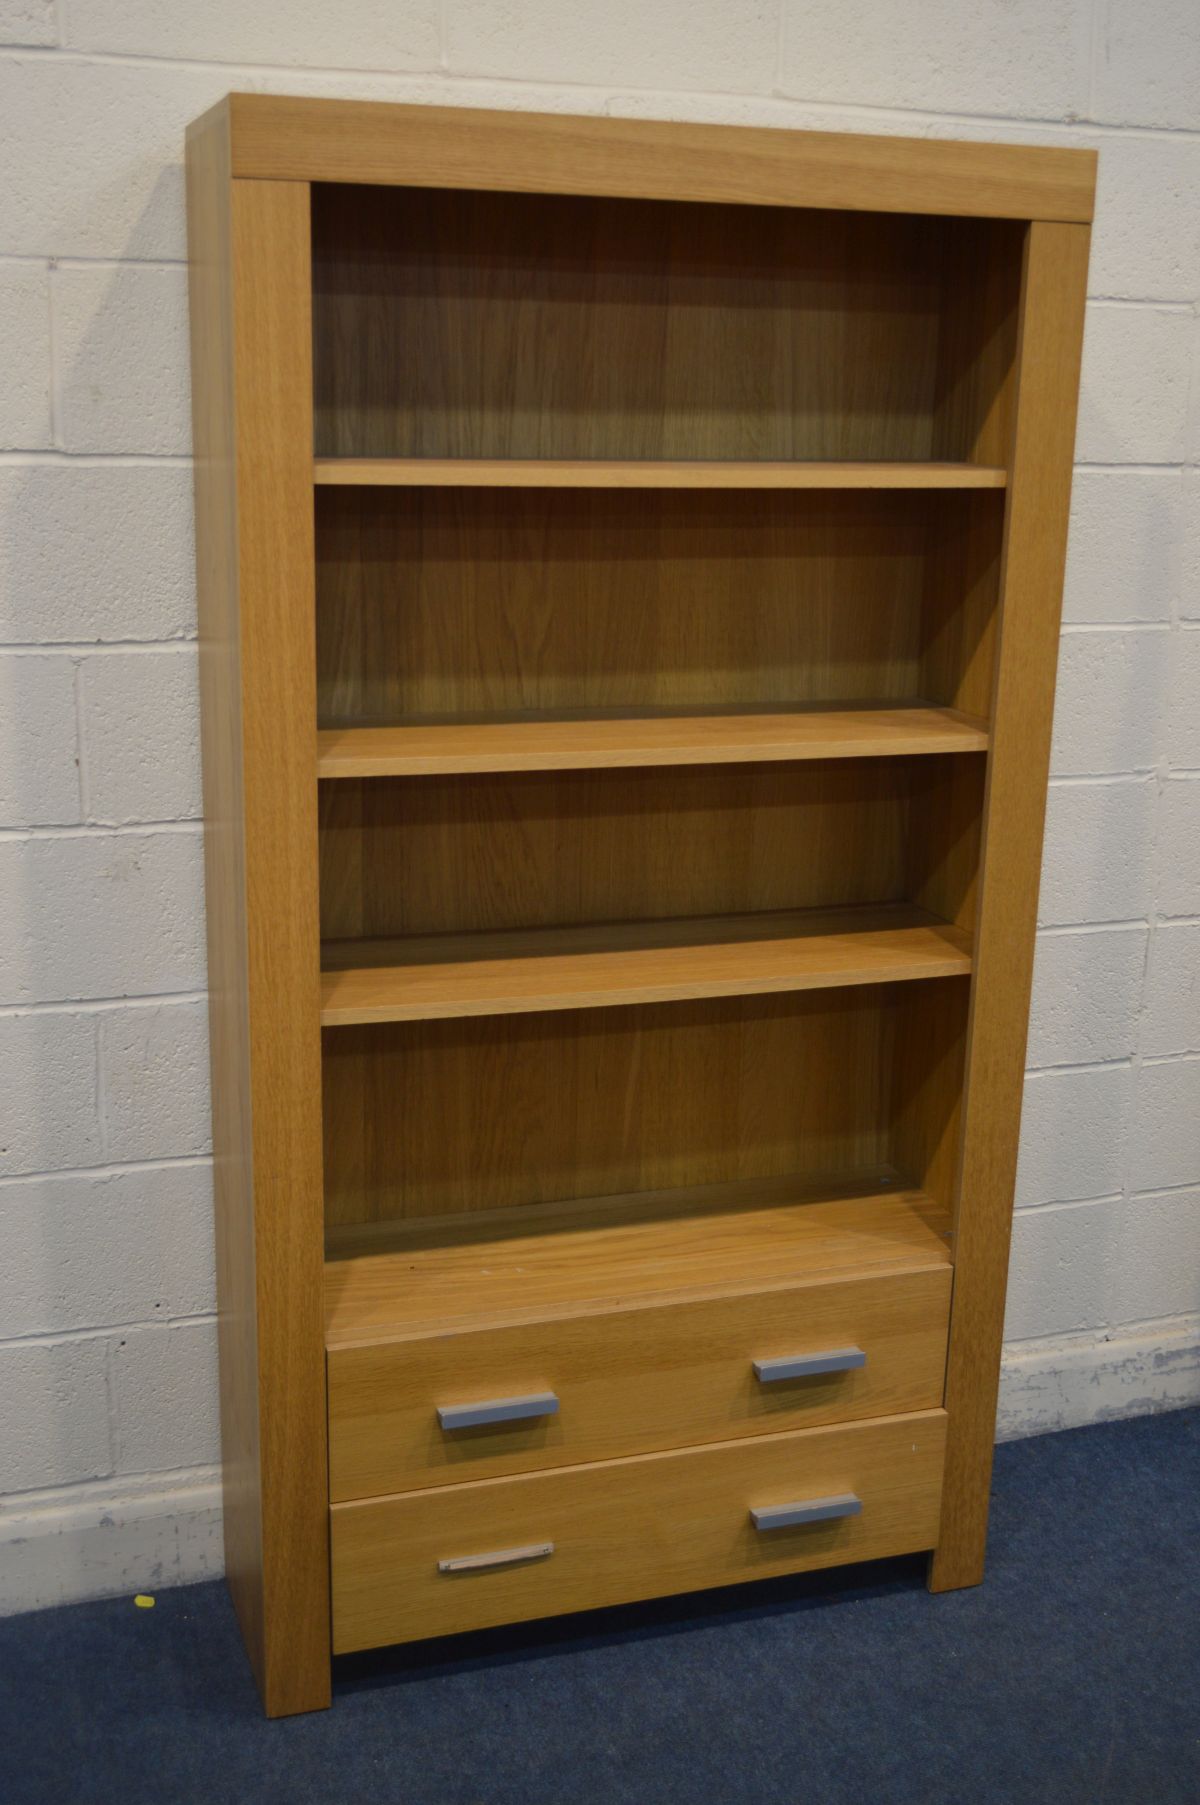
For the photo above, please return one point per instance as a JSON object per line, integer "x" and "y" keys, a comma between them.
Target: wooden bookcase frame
{"x": 251, "y": 165}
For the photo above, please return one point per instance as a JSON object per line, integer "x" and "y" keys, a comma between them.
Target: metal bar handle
{"x": 804, "y": 1366}
{"x": 497, "y": 1410}
{"x": 500, "y": 1557}
{"x": 813, "y": 1510}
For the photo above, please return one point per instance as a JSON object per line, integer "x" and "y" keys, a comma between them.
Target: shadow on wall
{"x": 96, "y": 552}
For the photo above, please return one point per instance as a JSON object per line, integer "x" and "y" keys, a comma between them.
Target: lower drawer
{"x": 425, "y": 1563}
{"x": 633, "y": 1381}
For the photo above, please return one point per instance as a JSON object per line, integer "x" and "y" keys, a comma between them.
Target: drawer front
{"x": 631, "y": 1381}
{"x": 463, "y": 1557}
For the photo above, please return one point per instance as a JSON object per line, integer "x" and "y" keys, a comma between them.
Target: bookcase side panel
{"x": 272, "y": 351}
{"x": 1054, "y": 286}
{"x": 209, "y": 195}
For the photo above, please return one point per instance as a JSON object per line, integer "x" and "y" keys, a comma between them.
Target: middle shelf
{"x": 431, "y": 977}
{"x": 654, "y": 473}
{"x": 595, "y": 739}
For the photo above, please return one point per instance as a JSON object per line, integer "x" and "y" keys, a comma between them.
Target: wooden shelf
{"x": 588, "y": 741}
{"x": 602, "y": 473}
{"x": 634, "y": 962}
{"x": 393, "y": 1280}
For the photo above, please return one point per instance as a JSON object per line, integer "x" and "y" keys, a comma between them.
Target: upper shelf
{"x": 600, "y": 473}
{"x": 589, "y": 741}
{"x": 432, "y": 977}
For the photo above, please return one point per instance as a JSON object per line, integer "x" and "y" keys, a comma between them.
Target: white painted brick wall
{"x": 140, "y": 722}
{"x": 1089, "y": 986}
{"x": 95, "y": 552}
{"x": 1178, "y": 848}
{"x": 1189, "y": 606}
{"x": 1108, "y": 713}
{"x": 673, "y": 43}
{"x": 39, "y": 762}
{"x": 56, "y": 1413}
{"x": 25, "y": 369}
{"x": 1147, "y": 67}
{"x": 65, "y": 1242}
{"x": 107, "y": 1389}
{"x": 121, "y": 358}
{"x": 1127, "y": 546}
{"x": 1098, "y": 863}
{"x": 1172, "y": 1003}
{"x": 1074, "y": 1133}
{"x": 27, "y": 22}
{"x": 164, "y": 1397}
{"x": 50, "y": 1098}
{"x": 1060, "y": 1280}
{"x": 1027, "y": 57}
{"x": 154, "y": 1081}
{"x": 1134, "y": 408}
{"x": 98, "y": 915}
{"x": 354, "y": 34}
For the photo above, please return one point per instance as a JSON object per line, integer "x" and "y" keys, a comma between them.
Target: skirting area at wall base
{"x": 139, "y": 1535}
{"x": 111, "y": 1536}
{"x": 1067, "y": 1381}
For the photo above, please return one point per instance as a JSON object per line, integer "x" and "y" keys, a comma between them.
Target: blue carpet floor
{"x": 1072, "y": 1677}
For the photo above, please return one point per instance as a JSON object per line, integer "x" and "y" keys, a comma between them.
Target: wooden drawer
{"x": 626, "y": 1529}
{"x": 633, "y": 1380}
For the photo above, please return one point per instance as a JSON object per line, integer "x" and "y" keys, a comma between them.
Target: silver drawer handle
{"x": 500, "y": 1557}
{"x": 497, "y": 1410}
{"x": 814, "y": 1510}
{"x": 803, "y": 1366}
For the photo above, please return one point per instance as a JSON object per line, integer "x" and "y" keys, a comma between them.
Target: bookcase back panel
{"x": 427, "y": 854}
{"x": 459, "y": 324}
{"x": 927, "y": 1080}
{"x": 945, "y": 830}
{"x": 961, "y": 578}
{"x": 440, "y": 1117}
{"x": 455, "y": 601}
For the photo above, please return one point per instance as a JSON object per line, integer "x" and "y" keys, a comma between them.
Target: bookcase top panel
{"x": 288, "y": 138}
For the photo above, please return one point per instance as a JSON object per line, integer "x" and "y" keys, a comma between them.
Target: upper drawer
{"x": 633, "y": 1380}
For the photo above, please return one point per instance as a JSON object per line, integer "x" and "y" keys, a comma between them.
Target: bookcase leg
{"x": 957, "y": 1562}
{"x": 961, "y": 1552}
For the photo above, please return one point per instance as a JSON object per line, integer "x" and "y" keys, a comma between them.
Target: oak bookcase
{"x": 630, "y": 560}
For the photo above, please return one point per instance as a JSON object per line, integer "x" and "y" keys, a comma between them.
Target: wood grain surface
{"x": 251, "y": 335}
{"x": 647, "y": 473}
{"x": 634, "y": 962}
{"x": 675, "y": 332}
{"x": 389, "y": 1281}
{"x": 596, "y": 740}
{"x": 637, "y": 1528}
{"x": 616, "y": 541}
{"x": 1052, "y": 313}
{"x": 287, "y": 137}
{"x": 469, "y": 601}
{"x": 495, "y": 1112}
{"x": 671, "y": 1374}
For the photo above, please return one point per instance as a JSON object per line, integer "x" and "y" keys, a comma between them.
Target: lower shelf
{"x": 466, "y": 1557}
{"x": 423, "y": 979}
{"x": 390, "y": 1280}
